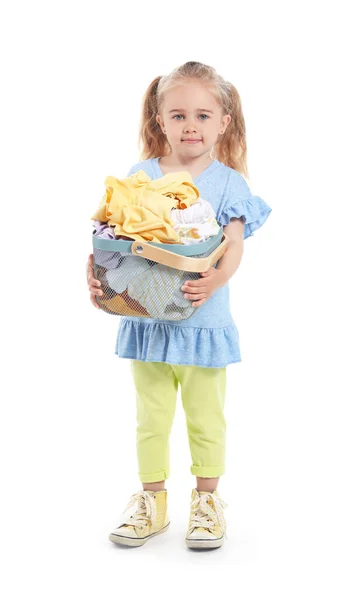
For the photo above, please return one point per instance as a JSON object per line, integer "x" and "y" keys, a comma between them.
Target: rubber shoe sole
{"x": 201, "y": 543}
{"x": 128, "y": 541}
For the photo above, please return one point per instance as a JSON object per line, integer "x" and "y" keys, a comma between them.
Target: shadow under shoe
{"x": 207, "y": 525}
{"x": 145, "y": 516}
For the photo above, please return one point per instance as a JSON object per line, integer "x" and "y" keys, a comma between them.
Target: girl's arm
{"x": 230, "y": 261}
{"x": 200, "y": 290}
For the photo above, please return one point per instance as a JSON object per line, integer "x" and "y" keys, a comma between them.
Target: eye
{"x": 203, "y": 115}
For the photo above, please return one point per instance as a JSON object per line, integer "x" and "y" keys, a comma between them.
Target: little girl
{"x": 192, "y": 121}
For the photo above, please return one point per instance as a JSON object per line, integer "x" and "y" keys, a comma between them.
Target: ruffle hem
{"x": 174, "y": 344}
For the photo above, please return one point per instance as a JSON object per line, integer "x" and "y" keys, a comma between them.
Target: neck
{"x": 187, "y": 162}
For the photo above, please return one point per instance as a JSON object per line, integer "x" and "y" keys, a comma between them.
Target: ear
{"x": 226, "y": 120}
{"x": 159, "y": 121}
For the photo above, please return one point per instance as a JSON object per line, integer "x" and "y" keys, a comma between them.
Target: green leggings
{"x": 203, "y": 396}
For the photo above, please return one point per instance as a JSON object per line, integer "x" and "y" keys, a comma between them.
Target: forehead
{"x": 190, "y": 96}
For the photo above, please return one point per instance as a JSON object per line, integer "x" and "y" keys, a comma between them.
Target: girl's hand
{"x": 93, "y": 284}
{"x": 200, "y": 290}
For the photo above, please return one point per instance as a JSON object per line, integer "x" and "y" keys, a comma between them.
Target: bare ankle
{"x": 207, "y": 484}
{"x": 154, "y": 486}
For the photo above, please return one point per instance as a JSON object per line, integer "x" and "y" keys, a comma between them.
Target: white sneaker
{"x": 207, "y": 525}
{"x": 145, "y": 516}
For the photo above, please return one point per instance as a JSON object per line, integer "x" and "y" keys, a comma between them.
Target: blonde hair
{"x": 230, "y": 148}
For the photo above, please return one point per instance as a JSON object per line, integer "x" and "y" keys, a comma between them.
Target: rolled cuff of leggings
{"x": 207, "y": 471}
{"x": 153, "y": 477}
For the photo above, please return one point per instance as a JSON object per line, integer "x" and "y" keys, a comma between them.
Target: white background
{"x": 73, "y": 77}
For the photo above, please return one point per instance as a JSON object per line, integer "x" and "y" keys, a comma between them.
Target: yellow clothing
{"x": 203, "y": 398}
{"x": 117, "y": 305}
{"x": 140, "y": 207}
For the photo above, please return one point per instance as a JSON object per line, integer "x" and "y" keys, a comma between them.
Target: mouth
{"x": 191, "y": 141}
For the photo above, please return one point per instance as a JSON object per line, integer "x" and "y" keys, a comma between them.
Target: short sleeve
{"x": 133, "y": 170}
{"x": 240, "y": 203}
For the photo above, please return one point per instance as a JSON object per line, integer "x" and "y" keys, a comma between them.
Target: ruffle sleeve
{"x": 239, "y": 202}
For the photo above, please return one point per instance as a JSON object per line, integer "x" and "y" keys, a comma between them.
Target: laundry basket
{"x": 144, "y": 279}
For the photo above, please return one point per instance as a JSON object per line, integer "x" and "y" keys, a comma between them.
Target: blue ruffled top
{"x": 209, "y": 338}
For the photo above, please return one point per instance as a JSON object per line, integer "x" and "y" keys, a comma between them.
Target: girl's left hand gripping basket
{"x": 144, "y": 279}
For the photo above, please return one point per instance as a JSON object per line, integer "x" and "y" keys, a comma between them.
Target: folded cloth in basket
{"x": 196, "y": 223}
{"x": 200, "y": 212}
{"x": 118, "y": 305}
{"x": 140, "y": 207}
{"x": 102, "y": 230}
{"x": 131, "y": 267}
{"x": 107, "y": 259}
{"x": 157, "y": 288}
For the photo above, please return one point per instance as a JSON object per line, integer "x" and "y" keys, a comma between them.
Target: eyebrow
{"x": 182, "y": 110}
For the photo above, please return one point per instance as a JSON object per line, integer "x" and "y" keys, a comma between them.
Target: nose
{"x": 189, "y": 127}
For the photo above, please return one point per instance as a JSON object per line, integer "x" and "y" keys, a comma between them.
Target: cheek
{"x": 215, "y": 129}
{"x": 175, "y": 131}
{"x": 172, "y": 127}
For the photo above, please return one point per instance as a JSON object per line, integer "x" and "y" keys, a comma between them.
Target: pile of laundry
{"x": 167, "y": 210}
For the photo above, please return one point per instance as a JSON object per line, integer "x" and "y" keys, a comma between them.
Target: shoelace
{"x": 202, "y": 509}
{"x": 144, "y": 509}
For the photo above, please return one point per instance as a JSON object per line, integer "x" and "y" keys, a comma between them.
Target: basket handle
{"x": 176, "y": 261}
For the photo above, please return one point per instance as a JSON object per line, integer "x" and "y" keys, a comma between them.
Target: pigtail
{"x": 152, "y": 141}
{"x": 231, "y": 147}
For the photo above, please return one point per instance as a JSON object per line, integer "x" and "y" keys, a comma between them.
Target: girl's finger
{"x": 94, "y": 302}
{"x": 94, "y": 282}
{"x": 195, "y": 296}
{"x": 90, "y": 275}
{"x": 196, "y": 289}
{"x": 199, "y": 303}
{"x": 95, "y": 291}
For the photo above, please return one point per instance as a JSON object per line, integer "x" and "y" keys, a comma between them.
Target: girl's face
{"x": 190, "y": 112}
